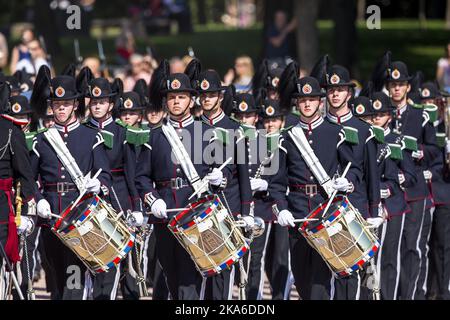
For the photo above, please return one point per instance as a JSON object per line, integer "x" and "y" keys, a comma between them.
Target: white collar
{"x": 183, "y": 123}
{"x": 401, "y": 109}
{"x": 387, "y": 131}
{"x": 102, "y": 124}
{"x": 339, "y": 120}
{"x": 312, "y": 125}
{"x": 214, "y": 120}
{"x": 67, "y": 128}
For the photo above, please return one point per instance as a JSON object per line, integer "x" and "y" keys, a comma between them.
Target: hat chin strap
{"x": 311, "y": 116}
{"x": 68, "y": 119}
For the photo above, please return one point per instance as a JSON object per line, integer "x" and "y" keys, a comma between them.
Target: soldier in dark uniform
{"x": 15, "y": 168}
{"x": 276, "y": 260}
{"x": 101, "y": 103}
{"x": 410, "y": 121}
{"x": 437, "y": 274}
{"x": 311, "y": 274}
{"x": 163, "y": 184}
{"x": 397, "y": 172}
{"x": 58, "y": 187}
{"x": 238, "y": 193}
{"x": 366, "y": 197}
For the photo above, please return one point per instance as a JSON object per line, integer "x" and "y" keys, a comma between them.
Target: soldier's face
{"x": 210, "y": 100}
{"x": 429, "y": 101}
{"x": 249, "y": 119}
{"x": 308, "y": 106}
{"x": 381, "y": 119}
{"x": 338, "y": 96}
{"x": 273, "y": 124}
{"x": 63, "y": 111}
{"x": 179, "y": 103}
{"x": 100, "y": 107}
{"x": 131, "y": 118}
{"x": 155, "y": 117}
{"x": 273, "y": 94}
{"x": 398, "y": 90}
{"x": 367, "y": 119}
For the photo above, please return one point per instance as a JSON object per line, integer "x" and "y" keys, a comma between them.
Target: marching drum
{"x": 341, "y": 237}
{"x": 210, "y": 235}
{"x": 95, "y": 233}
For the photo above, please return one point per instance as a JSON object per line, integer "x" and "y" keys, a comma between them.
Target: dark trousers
{"x": 440, "y": 252}
{"x": 311, "y": 275}
{"x": 183, "y": 279}
{"x": 277, "y": 263}
{"x": 220, "y": 287}
{"x": 154, "y": 272}
{"x": 425, "y": 234}
{"x": 410, "y": 251}
{"x": 104, "y": 285}
{"x": 388, "y": 258}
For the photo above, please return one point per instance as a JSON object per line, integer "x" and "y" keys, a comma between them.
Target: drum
{"x": 95, "y": 233}
{"x": 210, "y": 235}
{"x": 341, "y": 237}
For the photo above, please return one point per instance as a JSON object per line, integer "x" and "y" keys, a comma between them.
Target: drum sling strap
{"x": 313, "y": 163}
{"x": 66, "y": 158}
{"x": 183, "y": 157}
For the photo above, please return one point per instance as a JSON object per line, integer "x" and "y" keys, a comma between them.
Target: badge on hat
{"x": 360, "y": 109}
{"x": 335, "y": 79}
{"x": 243, "y": 106}
{"x": 97, "y": 92}
{"x": 377, "y": 104}
{"x": 60, "y": 92}
{"x": 275, "y": 82}
{"x": 204, "y": 85}
{"x": 176, "y": 84}
{"x": 307, "y": 89}
{"x": 270, "y": 111}
{"x": 16, "y": 108}
{"x": 128, "y": 104}
{"x": 395, "y": 74}
{"x": 426, "y": 93}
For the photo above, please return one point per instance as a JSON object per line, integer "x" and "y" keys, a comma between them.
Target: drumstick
{"x": 55, "y": 216}
{"x": 177, "y": 209}
{"x": 301, "y": 220}
{"x": 206, "y": 181}
{"x": 335, "y": 191}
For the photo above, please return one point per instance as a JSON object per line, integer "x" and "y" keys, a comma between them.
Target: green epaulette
{"x": 441, "y": 139}
{"x": 286, "y": 129}
{"x": 121, "y": 123}
{"x": 137, "y": 136}
{"x": 249, "y": 132}
{"x": 222, "y": 135}
{"x": 396, "y": 151}
{"x": 378, "y": 133}
{"x": 29, "y": 137}
{"x": 295, "y": 112}
{"x": 432, "y": 111}
{"x": 273, "y": 142}
{"x": 351, "y": 135}
{"x": 410, "y": 143}
{"x": 108, "y": 138}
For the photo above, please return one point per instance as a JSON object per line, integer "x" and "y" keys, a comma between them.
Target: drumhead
{"x": 317, "y": 213}
{"x": 197, "y": 208}
{"x": 75, "y": 213}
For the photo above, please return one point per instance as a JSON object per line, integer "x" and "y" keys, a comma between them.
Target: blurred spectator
{"x": 137, "y": 72}
{"x": 94, "y": 64}
{"x": 21, "y": 51}
{"x": 125, "y": 46}
{"x": 3, "y": 51}
{"x": 38, "y": 58}
{"x": 443, "y": 69}
{"x": 242, "y": 74}
{"x": 179, "y": 10}
{"x": 177, "y": 65}
{"x": 277, "y": 36}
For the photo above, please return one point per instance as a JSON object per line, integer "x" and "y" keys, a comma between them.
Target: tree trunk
{"x": 361, "y": 10}
{"x": 447, "y": 16}
{"x": 201, "y": 11}
{"x": 307, "y": 33}
{"x": 345, "y": 34}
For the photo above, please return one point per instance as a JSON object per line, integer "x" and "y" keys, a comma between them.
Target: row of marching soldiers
{"x": 394, "y": 135}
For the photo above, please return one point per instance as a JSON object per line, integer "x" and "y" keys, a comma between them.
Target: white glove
{"x": 215, "y": 177}
{"x": 43, "y": 209}
{"x": 93, "y": 185}
{"x": 427, "y": 175}
{"x": 249, "y": 222}
{"x": 31, "y": 207}
{"x": 258, "y": 184}
{"x": 341, "y": 184}
{"x": 401, "y": 178}
{"x": 26, "y": 225}
{"x": 385, "y": 193}
{"x": 447, "y": 146}
{"x": 159, "y": 209}
{"x": 285, "y": 218}
{"x": 417, "y": 154}
{"x": 375, "y": 223}
{"x": 135, "y": 218}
